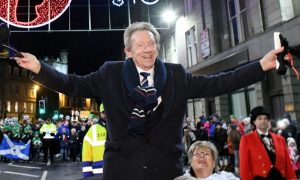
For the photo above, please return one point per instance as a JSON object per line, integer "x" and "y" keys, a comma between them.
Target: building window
{"x": 8, "y": 107}
{"x": 199, "y": 109}
{"x": 31, "y": 107}
{"x": 190, "y": 109}
{"x": 169, "y": 50}
{"x": 242, "y": 101}
{"x": 195, "y": 108}
{"x": 211, "y": 105}
{"x": 16, "y": 106}
{"x": 238, "y": 21}
{"x": 17, "y": 90}
{"x": 10, "y": 91}
{"x": 26, "y": 91}
{"x": 24, "y": 72}
{"x": 16, "y": 71}
{"x": 32, "y": 93}
{"x": 83, "y": 103}
{"x": 191, "y": 47}
{"x": 25, "y": 107}
{"x": 287, "y": 9}
{"x": 9, "y": 70}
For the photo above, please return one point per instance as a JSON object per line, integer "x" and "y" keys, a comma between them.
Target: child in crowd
{"x": 73, "y": 144}
{"x": 36, "y": 144}
{"x": 63, "y": 137}
{"x": 294, "y": 155}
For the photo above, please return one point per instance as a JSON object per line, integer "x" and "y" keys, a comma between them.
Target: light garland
{"x": 118, "y": 3}
{"x": 149, "y": 3}
{"x": 46, "y": 12}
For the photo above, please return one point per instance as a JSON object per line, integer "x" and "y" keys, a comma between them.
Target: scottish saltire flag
{"x": 13, "y": 149}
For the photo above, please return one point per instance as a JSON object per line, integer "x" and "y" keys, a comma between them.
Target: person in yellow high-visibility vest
{"x": 93, "y": 151}
{"x": 48, "y": 131}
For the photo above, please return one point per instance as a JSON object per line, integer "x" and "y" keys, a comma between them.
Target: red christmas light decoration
{"x": 47, "y": 11}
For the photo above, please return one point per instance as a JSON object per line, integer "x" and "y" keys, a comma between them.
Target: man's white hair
{"x": 139, "y": 26}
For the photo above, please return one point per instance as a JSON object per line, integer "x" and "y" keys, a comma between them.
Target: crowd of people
{"x": 62, "y": 138}
{"x": 217, "y": 141}
{"x": 231, "y": 135}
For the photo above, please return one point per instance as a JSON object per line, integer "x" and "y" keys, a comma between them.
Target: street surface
{"x": 39, "y": 170}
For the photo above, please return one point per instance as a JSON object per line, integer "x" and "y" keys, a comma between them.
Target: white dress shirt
{"x": 150, "y": 78}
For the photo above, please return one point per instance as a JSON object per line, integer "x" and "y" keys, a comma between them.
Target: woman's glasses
{"x": 202, "y": 154}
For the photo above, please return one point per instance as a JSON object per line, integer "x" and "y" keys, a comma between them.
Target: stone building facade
{"x": 212, "y": 36}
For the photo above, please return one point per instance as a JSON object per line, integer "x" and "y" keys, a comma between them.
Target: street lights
{"x": 168, "y": 16}
{"x": 36, "y": 88}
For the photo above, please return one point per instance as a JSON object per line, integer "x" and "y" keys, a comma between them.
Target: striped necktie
{"x": 144, "y": 82}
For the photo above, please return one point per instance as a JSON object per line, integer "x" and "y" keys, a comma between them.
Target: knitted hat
{"x": 259, "y": 110}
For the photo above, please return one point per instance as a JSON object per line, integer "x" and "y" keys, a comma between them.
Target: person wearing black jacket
{"x": 145, "y": 101}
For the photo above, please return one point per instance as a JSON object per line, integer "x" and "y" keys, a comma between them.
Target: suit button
{"x": 263, "y": 164}
{"x": 271, "y": 166}
{"x": 259, "y": 157}
{"x": 264, "y": 172}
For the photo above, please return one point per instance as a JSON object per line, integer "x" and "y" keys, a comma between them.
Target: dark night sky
{"x": 87, "y": 50}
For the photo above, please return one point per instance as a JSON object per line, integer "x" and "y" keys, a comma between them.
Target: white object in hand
{"x": 277, "y": 44}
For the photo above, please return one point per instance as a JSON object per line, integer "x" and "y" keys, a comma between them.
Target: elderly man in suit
{"x": 145, "y": 101}
{"x": 264, "y": 155}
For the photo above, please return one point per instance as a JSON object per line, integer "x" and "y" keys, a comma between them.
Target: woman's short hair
{"x": 140, "y": 26}
{"x": 204, "y": 144}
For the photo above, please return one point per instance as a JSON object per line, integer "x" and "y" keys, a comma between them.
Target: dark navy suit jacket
{"x": 157, "y": 155}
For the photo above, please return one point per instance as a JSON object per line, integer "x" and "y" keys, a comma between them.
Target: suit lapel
{"x": 122, "y": 97}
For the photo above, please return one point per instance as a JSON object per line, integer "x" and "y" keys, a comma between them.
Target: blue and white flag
{"x": 13, "y": 149}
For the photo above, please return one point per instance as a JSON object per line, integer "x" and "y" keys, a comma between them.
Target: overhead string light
{"x": 118, "y": 3}
{"x": 46, "y": 12}
{"x": 149, "y": 3}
